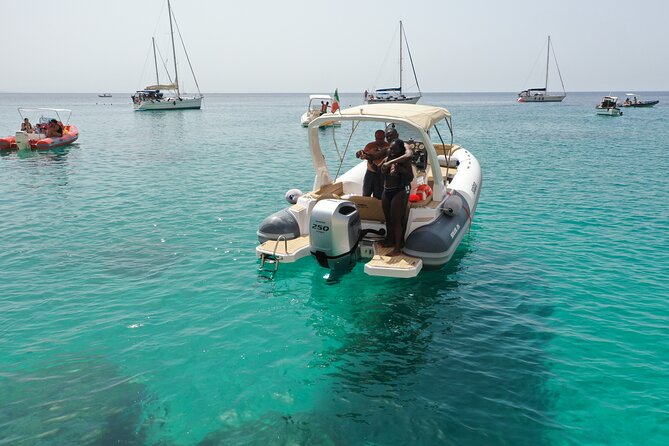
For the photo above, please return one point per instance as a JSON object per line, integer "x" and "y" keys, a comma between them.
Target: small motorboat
{"x": 633, "y": 101}
{"x": 105, "y": 95}
{"x": 318, "y": 105}
{"x": 609, "y": 107}
{"x": 337, "y": 226}
{"x": 36, "y": 138}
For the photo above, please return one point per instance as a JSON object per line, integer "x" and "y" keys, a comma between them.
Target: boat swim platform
{"x": 285, "y": 250}
{"x": 401, "y": 266}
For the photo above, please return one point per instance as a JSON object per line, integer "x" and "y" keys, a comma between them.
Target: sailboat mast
{"x": 174, "y": 52}
{"x": 548, "y": 55}
{"x": 401, "y": 35}
{"x": 155, "y": 61}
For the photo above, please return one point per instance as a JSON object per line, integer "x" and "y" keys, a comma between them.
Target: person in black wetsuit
{"x": 397, "y": 175}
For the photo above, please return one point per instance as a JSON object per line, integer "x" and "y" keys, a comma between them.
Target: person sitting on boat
{"x": 55, "y": 129}
{"x": 324, "y": 108}
{"x": 397, "y": 175}
{"x": 26, "y": 126}
{"x": 374, "y": 152}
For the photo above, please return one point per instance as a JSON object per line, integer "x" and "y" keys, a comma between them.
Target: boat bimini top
{"x": 57, "y": 111}
{"x": 421, "y": 118}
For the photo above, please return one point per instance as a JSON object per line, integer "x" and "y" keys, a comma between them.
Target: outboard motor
{"x": 22, "y": 141}
{"x": 334, "y": 233}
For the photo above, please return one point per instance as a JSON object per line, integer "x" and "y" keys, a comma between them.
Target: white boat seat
{"x": 451, "y": 171}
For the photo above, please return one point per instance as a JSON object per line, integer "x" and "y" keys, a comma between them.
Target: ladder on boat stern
{"x": 272, "y": 252}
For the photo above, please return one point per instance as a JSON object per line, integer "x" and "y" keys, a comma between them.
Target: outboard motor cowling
{"x": 334, "y": 232}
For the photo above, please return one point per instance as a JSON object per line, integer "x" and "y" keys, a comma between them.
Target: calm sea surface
{"x": 132, "y": 312}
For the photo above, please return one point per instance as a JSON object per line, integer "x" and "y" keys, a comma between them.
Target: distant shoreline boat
{"x": 151, "y": 98}
{"x": 629, "y": 102}
{"x": 541, "y": 94}
{"x": 105, "y": 95}
{"x": 609, "y": 107}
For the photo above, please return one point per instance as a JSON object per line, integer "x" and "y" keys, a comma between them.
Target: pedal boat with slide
{"x": 339, "y": 227}
{"x": 38, "y": 140}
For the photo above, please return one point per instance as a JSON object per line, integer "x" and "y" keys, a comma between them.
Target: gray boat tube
{"x": 278, "y": 224}
{"x": 436, "y": 242}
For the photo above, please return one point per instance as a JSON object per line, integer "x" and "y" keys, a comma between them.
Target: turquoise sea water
{"x": 132, "y": 312}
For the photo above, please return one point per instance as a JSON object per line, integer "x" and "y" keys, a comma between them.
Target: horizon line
{"x": 347, "y": 93}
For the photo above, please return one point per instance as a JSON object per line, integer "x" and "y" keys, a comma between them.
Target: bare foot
{"x": 395, "y": 252}
{"x": 386, "y": 244}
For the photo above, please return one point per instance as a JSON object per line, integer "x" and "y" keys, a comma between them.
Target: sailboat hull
{"x": 542, "y": 98}
{"x": 170, "y": 104}
{"x": 402, "y": 100}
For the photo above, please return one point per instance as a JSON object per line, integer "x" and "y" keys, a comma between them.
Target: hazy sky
{"x": 316, "y": 46}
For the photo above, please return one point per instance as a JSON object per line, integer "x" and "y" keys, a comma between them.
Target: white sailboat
{"x": 396, "y": 94}
{"x": 542, "y": 94}
{"x": 152, "y": 98}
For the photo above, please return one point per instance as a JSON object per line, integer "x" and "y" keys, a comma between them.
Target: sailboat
{"x": 396, "y": 94}
{"x": 542, "y": 94}
{"x": 152, "y": 98}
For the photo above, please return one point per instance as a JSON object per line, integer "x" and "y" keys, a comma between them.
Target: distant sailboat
{"x": 396, "y": 94}
{"x": 542, "y": 94}
{"x": 151, "y": 98}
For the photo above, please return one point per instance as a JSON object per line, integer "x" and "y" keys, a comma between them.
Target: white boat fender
{"x": 292, "y": 195}
{"x": 452, "y": 205}
{"x": 450, "y": 162}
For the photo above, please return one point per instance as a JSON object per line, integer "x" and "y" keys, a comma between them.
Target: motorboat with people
{"x": 609, "y": 107}
{"x": 338, "y": 226}
{"x": 49, "y": 131}
{"x": 397, "y": 94}
{"x": 319, "y": 104}
{"x": 632, "y": 100}
{"x": 152, "y": 97}
{"x": 541, "y": 94}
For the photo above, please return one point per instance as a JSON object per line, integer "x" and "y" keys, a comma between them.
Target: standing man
{"x": 374, "y": 153}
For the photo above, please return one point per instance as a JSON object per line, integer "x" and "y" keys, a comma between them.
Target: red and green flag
{"x": 335, "y": 101}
